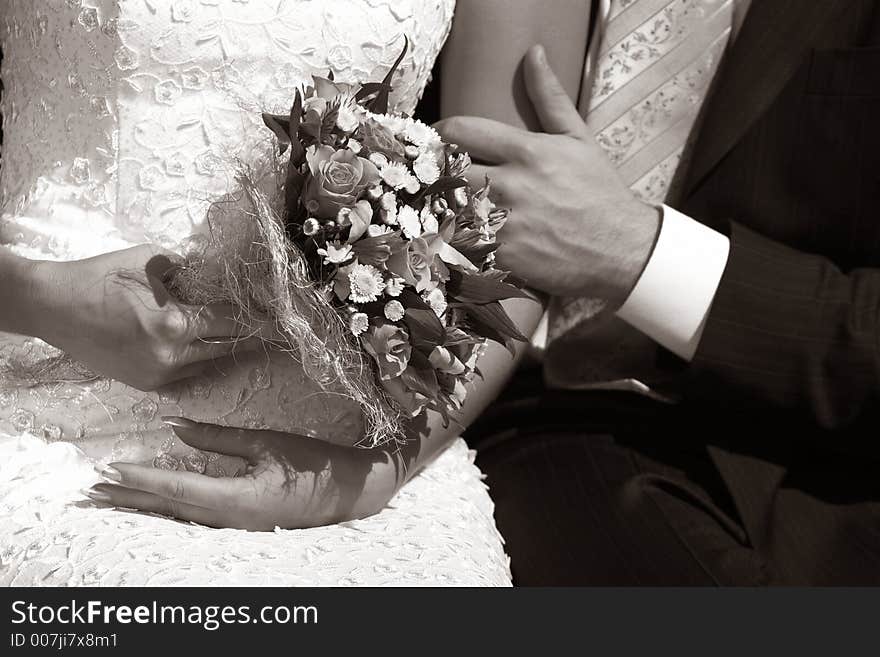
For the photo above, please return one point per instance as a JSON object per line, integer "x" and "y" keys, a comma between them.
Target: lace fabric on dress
{"x": 121, "y": 118}
{"x": 123, "y": 123}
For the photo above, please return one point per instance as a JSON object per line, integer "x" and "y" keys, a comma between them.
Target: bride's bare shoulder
{"x": 482, "y": 57}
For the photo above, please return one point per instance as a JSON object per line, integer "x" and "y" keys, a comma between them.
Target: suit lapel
{"x": 775, "y": 37}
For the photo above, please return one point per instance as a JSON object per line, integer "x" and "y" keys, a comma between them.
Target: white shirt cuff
{"x": 671, "y": 301}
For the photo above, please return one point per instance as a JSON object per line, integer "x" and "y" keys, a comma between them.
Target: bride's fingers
{"x": 218, "y": 321}
{"x": 219, "y": 493}
{"x": 151, "y": 503}
{"x": 214, "y": 438}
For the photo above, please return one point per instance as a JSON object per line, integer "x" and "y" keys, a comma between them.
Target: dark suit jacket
{"x": 787, "y": 163}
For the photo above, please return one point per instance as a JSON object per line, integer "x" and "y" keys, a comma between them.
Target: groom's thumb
{"x": 554, "y": 108}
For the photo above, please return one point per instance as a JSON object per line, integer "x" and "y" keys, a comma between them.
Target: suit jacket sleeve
{"x": 789, "y": 330}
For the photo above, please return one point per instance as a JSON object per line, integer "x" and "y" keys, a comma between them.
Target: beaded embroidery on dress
{"x": 119, "y": 119}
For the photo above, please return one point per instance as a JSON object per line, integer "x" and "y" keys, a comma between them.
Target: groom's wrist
{"x": 639, "y": 227}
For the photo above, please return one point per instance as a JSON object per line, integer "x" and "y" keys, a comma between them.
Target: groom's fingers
{"x": 554, "y": 108}
{"x": 128, "y": 498}
{"x": 221, "y": 494}
{"x": 484, "y": 139}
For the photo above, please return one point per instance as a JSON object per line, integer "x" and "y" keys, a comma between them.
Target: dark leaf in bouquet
{"x": 379, "y": 104}
{"x": 425, "y": 328}
{"x": 311, "y": 125}
{"x": 369, "y": 91}
{"x": 443, "y": 185}
{"x": 293, "y": 185}
{"x": 490, "y": 321}
{"x": 328, "y": 123}
{"x": 280, "y": 125}
{"x": 481, "y": 288}
{"x": 420, "y": 376}
{"x": 456, "y": 337}
{"x": 297, "y": 150}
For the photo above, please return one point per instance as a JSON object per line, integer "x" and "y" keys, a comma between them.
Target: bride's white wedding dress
{"x": 119, "y": 119}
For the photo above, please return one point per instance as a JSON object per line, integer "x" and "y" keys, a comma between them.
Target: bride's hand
{"x": 291, "y": 481}
{"x": 114, "y": 314}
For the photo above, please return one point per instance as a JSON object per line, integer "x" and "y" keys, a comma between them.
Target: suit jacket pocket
{"x": 845, "y": 72}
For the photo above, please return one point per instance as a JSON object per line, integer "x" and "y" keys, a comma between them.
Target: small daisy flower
{"x": 409, "y": 221}
{"x": 426, "y": 169}
{"x": 437, "y": 300}
{"x": 335, "y": 253}
{"x": 366, "y": 283}
{"x": 358, "y": 323}
{"x": 355, "y": 146}
{"x": 420, "y": 133}
{"x": 394, "y": 311}
{"x": 394, "y": 286}
{"x": 311, "y": 226}
{"x": 395, "y": 175}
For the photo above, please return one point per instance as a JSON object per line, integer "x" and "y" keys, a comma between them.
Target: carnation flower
{"x": 409, "y": 221}
{"x": 394, "y": 310}
{"x": 395, "y": 175}
{"x": 335, "y": 253}
{"x": 354, "y": 146}
{"x": 426, "y": 169}
{"x": 358, "y": 323}
{"x": 394, "y": 286}
{"x": 366, "y": 283}
{"x": 437, "y": 300}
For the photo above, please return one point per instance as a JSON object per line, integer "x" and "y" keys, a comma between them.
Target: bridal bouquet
{"x": 376, "y": 223}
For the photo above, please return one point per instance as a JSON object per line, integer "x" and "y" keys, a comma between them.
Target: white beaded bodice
{"x": 121, "y": 121}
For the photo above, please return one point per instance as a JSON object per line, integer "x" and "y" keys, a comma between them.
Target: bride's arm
{"x": 21, "y": 293}
{"x": 481, "y": 77}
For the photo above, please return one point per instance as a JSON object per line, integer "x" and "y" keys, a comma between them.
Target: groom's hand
{"x": 291, "y": 481}
{"x": 575, "y": 228}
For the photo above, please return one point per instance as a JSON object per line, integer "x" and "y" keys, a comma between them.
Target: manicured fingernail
{"x": 96, "y": 495}
{"x": 541, "y": 53}
{"x": 109, "y": 473}
{"x": 180, "y": 422}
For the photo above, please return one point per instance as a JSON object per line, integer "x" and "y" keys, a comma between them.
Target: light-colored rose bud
{"x": 460, "y": 196}
{"x": 439, "y": 206}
